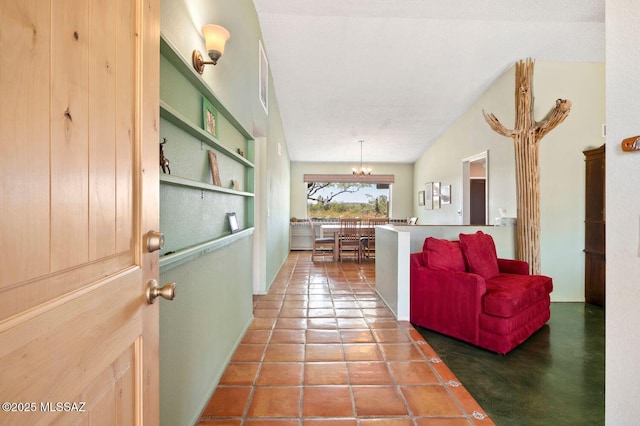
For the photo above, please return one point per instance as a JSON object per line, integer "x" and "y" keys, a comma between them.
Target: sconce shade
{"x": 215, "y": 38}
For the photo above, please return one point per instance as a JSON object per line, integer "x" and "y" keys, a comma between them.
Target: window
{"x": 347, "y": 199}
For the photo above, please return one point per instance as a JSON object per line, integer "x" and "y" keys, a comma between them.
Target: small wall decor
{"x": 235, "y": 185}
{"x": 233, "y": 222}
{"x": 421, "y": 198}
{"x": 631, "y": 144}
{"x": 215, "y": 172}
{"x": 445, "y": 194}
{"x": 436, "y": 195}
{"x": 428, "y": 196}
{"x": 263, "y": 78}
{"x": 209, "y": 117}
{"x": 164, "y": 161}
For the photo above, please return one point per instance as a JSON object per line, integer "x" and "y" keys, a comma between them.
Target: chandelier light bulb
{"x": 362, "y": 170}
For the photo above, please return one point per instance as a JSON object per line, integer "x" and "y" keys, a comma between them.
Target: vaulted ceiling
{"x": 398, "y": 73}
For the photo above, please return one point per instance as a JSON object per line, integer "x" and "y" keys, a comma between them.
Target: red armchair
{"x": 461, "y": 289}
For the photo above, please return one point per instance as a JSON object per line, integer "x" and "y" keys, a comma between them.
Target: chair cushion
{"x": 508, "y": 294}
{"x": 443, "y": 254}
{"x": 480, "y": 253}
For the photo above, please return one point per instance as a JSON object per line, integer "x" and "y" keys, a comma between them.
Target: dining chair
{"x": 320, "y": 245}
{"x": 349, "y": 238}
{"x": 368, "y": 239}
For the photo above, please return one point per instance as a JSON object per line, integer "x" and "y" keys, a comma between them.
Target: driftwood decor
{"x": 526, "y": 136}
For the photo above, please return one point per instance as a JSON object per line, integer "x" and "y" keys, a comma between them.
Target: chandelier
{"x": 362, "y": 170}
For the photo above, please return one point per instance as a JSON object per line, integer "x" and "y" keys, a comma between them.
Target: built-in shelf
{"x": 170, "y": 261}
{"x": 172, "y": 111}
{"x": 169, "y": 51}
{"x": 180, "y": 181}
{"x": 180, "y": 121}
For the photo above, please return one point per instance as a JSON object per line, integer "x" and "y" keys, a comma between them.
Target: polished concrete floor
{"x": 554, "y": 378}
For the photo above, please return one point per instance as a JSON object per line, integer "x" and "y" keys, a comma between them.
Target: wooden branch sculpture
{"x": 526, "y": 136}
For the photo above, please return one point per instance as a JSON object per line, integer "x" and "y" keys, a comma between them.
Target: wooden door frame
{"x": 148, "y": 133}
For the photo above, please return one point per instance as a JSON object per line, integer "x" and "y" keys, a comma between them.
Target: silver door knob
{"x": 167, "y": 291}
{"x": 155, "y": 241}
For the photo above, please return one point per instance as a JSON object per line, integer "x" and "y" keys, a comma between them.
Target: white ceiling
{"x": 398, "y": 73}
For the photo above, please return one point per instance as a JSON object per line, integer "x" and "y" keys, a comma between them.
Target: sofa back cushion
{"x": 480, "y": 253}
{"x": 443, "y": 254}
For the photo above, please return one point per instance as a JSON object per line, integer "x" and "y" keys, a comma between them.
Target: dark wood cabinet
{"x": 594, "y": 223}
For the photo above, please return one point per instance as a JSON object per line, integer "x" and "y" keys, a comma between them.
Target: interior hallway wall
{"x": 623, "y": 214}
{"x": 201, "y": 327}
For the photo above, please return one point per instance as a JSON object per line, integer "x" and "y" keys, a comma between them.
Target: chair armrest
{"x": 510, "y": 266}
{"x": 447, "y": 302}
{"x": 416, "y": 260}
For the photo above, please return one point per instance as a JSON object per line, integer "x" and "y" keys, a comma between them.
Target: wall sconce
{"x": 215, "y": 38}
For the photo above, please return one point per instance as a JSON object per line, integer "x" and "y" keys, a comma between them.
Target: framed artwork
{"x": 233, "y": 222}
{"x": 215, "y": 172}
{"x": 209, "y": 117}
{"x": 436, "y": 195}
{"x": 445, "y": 194}
{"x": 428, "y": 196}
{"x": 263, "y": 78}
{"x": 421, "y": 198}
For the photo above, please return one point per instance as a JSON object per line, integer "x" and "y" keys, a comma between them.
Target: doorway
{"x": 475, "y": 188}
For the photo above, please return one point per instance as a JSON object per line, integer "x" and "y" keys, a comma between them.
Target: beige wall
{"x": 561, "y": 163}
{"x": 401, "y": 192}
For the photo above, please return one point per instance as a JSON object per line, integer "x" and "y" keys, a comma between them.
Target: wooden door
{"x": 595, "y": 223}
{"x": 478, "y": 208}
{"x": 79, "y": 187}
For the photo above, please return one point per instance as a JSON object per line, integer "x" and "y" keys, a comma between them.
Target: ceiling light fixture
{"x": 362, "y": 170}
{"x": 215, "y": 38}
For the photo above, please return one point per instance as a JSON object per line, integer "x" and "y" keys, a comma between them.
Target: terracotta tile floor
{"x": 324, "y": 349}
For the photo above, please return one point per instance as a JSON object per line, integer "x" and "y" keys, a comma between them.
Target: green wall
{"x": 200, "y": 329}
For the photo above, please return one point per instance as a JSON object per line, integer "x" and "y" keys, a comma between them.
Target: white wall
{"x": 402, "y": 191}
{"x": 623, "y": 214}
{"x": 561, "y": 163}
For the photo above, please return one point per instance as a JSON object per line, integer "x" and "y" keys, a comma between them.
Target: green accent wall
{"x": 201, "y": 328}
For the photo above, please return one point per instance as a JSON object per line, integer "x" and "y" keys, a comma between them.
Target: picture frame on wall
{"x": 445, "y": 194}
{"x": 215, "y": 171}
{"x": 233, "y": 222}
{"x": 209, "y": 117}
{"x": 421, "y": 198}
{"x": 263, "y": 78}
{"x": 436, "y": 195}
{"x": 428, "y": 196}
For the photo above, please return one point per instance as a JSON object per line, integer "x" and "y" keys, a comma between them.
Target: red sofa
{"x": 461, "y": 289}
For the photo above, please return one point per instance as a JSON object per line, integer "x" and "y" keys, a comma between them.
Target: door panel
{"x": 78, "y": 132}
{"x": 24, "y": 139}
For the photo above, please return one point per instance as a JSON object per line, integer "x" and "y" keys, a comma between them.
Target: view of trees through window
{"x": 334, "y": 200}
